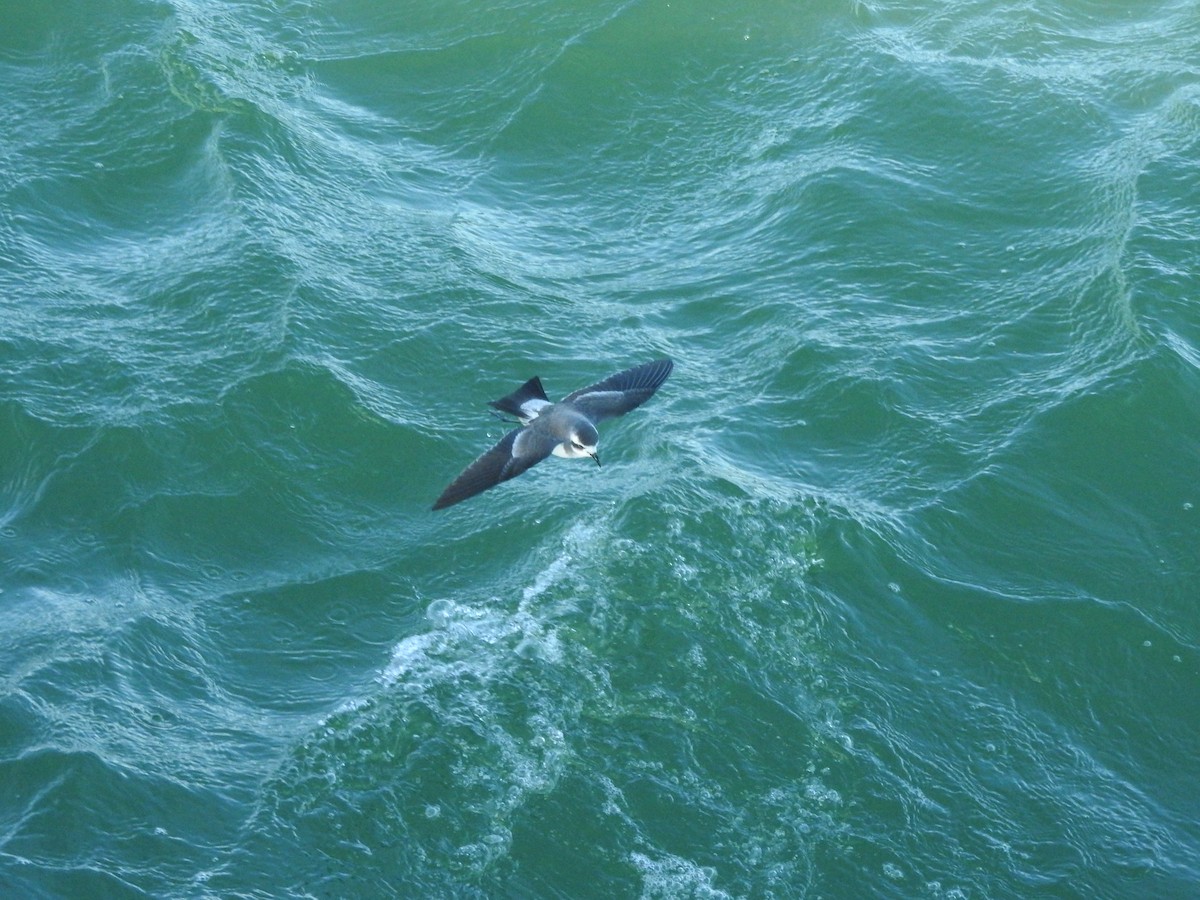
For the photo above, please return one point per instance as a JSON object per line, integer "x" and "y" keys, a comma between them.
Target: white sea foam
{"x": 667, "y": 876}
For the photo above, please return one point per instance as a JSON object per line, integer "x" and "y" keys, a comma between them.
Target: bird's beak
{"x": 596, "y": 457}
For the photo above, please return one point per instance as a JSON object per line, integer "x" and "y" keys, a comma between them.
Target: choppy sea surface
{"x": 893, "y": 590}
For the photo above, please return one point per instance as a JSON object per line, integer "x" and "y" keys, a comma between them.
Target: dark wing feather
{"x": 618, "y": 394}
{"x": 513, "y": 455}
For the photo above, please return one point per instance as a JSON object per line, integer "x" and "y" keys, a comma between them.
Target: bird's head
{"x": 582, "y": 442}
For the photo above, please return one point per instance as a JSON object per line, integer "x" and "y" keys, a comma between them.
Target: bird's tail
{"x": 525, "y": 401}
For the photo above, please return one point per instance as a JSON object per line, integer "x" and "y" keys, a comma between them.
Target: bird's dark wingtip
{"x": 450, "y": 496}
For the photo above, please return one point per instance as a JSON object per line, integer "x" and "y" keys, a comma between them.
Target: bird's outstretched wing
{"x": 618, "y": 394}
{"x": 516, "y": 452}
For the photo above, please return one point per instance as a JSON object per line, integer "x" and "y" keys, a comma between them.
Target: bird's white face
{"x": 575, "y": 448}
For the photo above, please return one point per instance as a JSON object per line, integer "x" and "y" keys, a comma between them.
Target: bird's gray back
{"x": 560, "y": 419}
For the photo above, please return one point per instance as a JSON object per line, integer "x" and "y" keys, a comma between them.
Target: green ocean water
{"x": 890, "y": 591}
